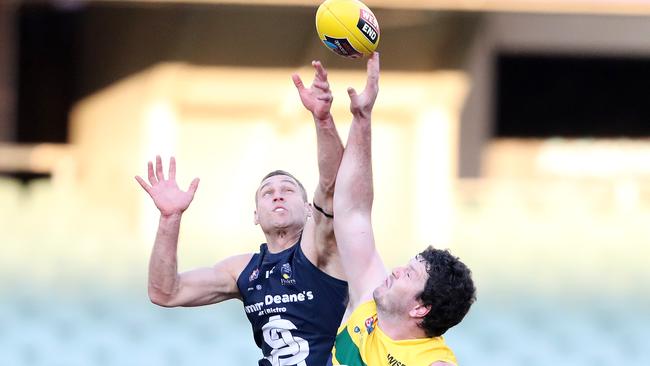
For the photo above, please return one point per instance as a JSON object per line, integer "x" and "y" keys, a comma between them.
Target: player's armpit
{"x": 319, "y": 245}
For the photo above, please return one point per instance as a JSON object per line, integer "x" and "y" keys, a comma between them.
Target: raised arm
{"x": 318, "y": 100}
{"x": 354, "y": 195}
{"x": 166, "y": 286}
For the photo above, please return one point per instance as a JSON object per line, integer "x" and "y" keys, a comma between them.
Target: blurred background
{"x": 514, "y": 132}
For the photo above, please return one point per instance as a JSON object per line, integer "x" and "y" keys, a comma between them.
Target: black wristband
{"x": 322, "y": 211}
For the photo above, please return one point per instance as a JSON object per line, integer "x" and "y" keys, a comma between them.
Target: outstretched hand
{"x": 361, "y": 104}
{"x": 165, "y": 193}
{"x": 318, "y": 97}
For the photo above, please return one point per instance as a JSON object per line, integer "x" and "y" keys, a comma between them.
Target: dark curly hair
{"x": 449, "y": 291}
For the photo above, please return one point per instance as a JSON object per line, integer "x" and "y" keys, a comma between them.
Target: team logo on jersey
{"x": 254, "y": 275}
{"x": 370, "y": 324}
{"x": 285, "y": 272}
{"x": 288, "y": 349}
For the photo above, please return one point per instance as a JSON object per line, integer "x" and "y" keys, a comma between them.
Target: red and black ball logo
{"x": 368, "y": 25}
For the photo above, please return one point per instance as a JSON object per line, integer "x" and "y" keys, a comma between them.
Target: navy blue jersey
{"x": 294, "y": 307}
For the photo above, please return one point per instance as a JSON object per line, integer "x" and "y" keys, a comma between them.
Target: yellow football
{"x": 347, "y": 27}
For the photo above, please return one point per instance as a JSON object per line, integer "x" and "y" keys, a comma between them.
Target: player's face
{"x": 398, "y": 293}
{"x": 280, "y": 204}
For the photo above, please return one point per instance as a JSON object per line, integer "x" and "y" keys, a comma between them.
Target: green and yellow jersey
{"x": 360, "y": 342}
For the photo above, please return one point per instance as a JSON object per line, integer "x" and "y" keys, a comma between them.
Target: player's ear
{"x": 256, "y": 219}
{"x": 420, "y": 311}
{"x": 308, "y": 209}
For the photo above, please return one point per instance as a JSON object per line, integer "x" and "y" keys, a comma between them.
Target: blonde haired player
{"x": 398, "y": 318}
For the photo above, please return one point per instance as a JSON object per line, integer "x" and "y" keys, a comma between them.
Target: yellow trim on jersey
{"x": 360, "y": 342}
